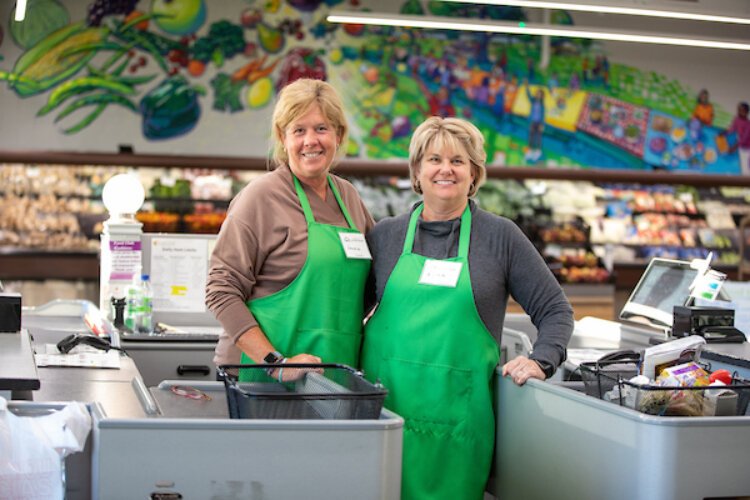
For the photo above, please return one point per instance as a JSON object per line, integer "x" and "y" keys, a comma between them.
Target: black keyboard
{"x": 170, "y": 337}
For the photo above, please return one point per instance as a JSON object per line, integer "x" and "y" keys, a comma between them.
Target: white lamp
{"x": 123, "y": 195}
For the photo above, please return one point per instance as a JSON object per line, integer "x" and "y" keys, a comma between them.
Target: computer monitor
{"x": 178, "y": 268}
{"x": 664, "y": 284}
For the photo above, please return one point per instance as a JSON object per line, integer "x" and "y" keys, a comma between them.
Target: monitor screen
{"x": 664, "y": 284}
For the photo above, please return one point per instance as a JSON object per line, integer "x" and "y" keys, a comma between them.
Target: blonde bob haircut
{"x": 451, "y": 133}
{"x": 295, "y": 100}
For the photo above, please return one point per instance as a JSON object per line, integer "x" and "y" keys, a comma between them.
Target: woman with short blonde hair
{"x": 448, "y": 132}
{"x": 443, "y": 274}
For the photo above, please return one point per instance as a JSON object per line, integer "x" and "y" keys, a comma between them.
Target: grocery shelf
{"x": 26, "y": 264}
{"x": 369, "y": 167}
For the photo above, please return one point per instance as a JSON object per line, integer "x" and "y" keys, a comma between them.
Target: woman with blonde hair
{"x": 287, "y": 275}
{"x": 442, "y": 276}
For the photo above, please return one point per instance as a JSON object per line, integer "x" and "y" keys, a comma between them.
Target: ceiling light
{"x": 516, "y": 28}
{"x": 20, "y": 11}
{"x": 612, "y": 9}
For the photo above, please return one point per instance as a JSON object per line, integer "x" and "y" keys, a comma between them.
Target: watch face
{"x": 272, "y": 358}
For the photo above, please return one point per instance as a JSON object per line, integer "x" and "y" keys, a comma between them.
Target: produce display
{"x": 50, "y": 208}
{"x": 671, "y": 222}
{"x": 572, "y": 224}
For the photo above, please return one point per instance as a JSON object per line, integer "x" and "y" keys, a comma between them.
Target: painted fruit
{"x": 183, "y": 17}
{"x": 371, "y": 74}
{"x": 259, "y": 94}
{"x": 336, "y": 56}
{"x": 299, "y": 63}
{"x": 270, "y": 39}
{"x": 354, "y": 29}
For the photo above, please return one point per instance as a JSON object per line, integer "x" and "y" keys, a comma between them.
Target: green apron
{"x": 429, "y": 348}
{"x": 321, "y": 311}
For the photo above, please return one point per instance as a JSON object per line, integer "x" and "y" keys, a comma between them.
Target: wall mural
{"x": 150, "y": 61}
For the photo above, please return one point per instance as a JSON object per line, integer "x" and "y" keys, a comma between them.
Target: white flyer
{"x": 179, "y": 267}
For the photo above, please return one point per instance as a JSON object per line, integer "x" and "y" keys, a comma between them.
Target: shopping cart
{"x": 339, "y": 392}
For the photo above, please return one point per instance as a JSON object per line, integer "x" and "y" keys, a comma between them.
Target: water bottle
{"x": 144, "y": 319}
{"x": 132, "y": 303}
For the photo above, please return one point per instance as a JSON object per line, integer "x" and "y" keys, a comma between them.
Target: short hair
{"x": 451, "y": 132}
{"x": 745, "y": 106}
{"x": 295, "y": 100}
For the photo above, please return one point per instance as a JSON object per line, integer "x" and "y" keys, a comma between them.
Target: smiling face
{"x": 310, "y": 142}
{"x": 445, "y": 176}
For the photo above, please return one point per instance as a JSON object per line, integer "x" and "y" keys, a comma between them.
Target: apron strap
{"x": 464, "y": 231}
{"x": 341, "y": 204}
{"x": 412, "y": 229}
{"x": 309, "y": 217}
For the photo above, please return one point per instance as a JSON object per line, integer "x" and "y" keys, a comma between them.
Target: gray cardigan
{"x": 502, "y": 263}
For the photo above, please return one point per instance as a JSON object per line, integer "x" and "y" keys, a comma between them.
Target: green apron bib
{"x": 320, "y": 312}
{"x": 429, "y": 348}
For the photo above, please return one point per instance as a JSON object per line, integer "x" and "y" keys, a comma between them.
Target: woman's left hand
{"x": 522, "y": 369}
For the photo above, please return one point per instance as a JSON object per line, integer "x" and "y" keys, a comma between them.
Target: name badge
{"x": 440, "y": 273}
{"x": 355, "y": 246}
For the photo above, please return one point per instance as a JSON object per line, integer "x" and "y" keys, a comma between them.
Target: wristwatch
{"x": 272, "y": 358}
{"x": 547, "y": 367}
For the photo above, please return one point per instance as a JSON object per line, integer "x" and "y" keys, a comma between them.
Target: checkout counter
{"x": 555, "y": 441}
{"x": 148, "y": 442}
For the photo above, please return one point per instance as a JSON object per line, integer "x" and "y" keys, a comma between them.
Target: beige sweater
{"x": 262, "y": 247}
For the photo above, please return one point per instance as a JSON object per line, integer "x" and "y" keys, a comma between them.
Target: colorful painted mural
{"x": 169, "y": 63}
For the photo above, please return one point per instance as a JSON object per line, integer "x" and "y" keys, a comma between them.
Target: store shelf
{"x": 369, "y": 167}
{"x": 590, "y": 299}
{"x": 22, "y": 264}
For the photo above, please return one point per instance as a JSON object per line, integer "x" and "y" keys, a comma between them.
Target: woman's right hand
{"x": 292, "y": 374}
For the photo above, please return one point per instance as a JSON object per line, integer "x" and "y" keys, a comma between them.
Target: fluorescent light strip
{"x": 20, "y": 10}
{"x": 611, "y": 9}
{"x": 484, "y": 26}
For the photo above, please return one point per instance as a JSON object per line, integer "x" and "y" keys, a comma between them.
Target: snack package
{"x": 684, "y": 375}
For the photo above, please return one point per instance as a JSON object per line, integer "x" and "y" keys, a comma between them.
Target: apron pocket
{"x": 427, "y": 393}
{"x": 332, "y": 346}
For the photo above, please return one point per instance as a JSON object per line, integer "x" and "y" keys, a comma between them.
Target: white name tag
{"x": 355, "y": 246}
{"x": 440, "y": 273}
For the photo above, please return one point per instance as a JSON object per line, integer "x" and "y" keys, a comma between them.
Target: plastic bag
{"x": 32, "y": 450}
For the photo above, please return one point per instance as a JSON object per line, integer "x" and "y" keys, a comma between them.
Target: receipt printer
{"x": 10, "y": 312}
{"x": 715, "y": 324}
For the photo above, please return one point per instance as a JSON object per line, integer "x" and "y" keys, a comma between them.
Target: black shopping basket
{"x": 339, "y": 392}
{"x": 610, "y": 380}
